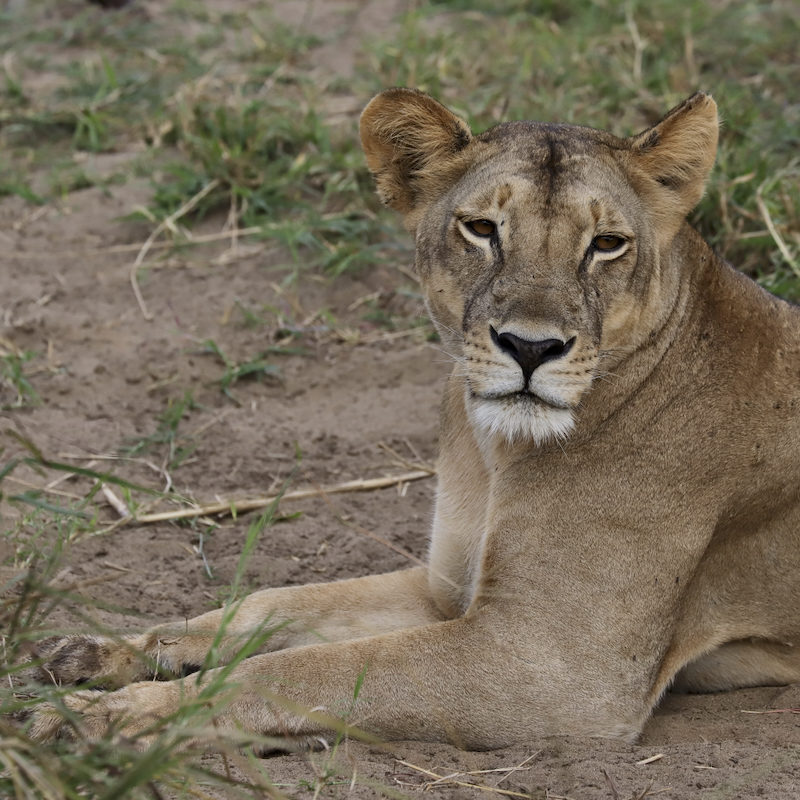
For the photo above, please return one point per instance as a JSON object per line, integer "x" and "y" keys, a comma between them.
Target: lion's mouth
{"x": 519, "y": 400}
{"x": 520, "y": 415}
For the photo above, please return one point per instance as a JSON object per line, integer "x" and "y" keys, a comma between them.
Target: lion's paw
{"x": 80, "y": 659}
{"x": 92, "y": 715}
{"x": 83, "y": 716}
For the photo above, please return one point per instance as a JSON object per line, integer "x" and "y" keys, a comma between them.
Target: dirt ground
{"x": 110, "y": 374}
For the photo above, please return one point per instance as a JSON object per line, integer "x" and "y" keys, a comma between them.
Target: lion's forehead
{"x": 533, "y": 179}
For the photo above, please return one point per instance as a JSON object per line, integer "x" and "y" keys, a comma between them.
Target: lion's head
{"x": 543, "y": 250}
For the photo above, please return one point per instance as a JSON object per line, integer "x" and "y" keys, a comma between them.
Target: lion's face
{"x": 529, "y": 265}
{"x": 540, "y": 251}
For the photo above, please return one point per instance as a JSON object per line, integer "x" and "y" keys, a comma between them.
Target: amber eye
{"x": 481, "y": 227}
{"x": 608, "y": 242}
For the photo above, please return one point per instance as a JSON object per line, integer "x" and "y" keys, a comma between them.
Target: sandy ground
{"x": 111, "y": 374}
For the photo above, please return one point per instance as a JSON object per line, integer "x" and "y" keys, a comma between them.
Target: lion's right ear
{"x": 412, "y": 144}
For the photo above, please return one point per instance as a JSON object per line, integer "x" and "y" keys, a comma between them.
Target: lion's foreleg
{"x": 265, "y": 621}
{"x": 436, "y": 682}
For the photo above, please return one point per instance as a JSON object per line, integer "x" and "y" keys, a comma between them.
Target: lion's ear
{"x": 412, "y": 144}
{"x": 677, "y": 154}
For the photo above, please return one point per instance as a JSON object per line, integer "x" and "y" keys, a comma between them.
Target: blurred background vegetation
{"x": 234, "y": 97}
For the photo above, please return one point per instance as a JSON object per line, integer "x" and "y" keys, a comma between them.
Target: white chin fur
{"x": 516, "y": 421}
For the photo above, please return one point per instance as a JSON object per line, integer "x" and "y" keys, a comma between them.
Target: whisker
{"x": 455, "y": 358}
{"x": 458, "y": 334}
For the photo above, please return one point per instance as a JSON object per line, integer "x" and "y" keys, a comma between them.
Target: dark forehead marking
{"x": 551, "y": 166}
{"x": 541, "y": 151}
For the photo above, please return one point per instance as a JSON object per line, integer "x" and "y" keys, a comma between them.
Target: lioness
{"x": 618, "y": 505}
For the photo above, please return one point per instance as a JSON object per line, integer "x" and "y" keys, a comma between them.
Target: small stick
{"x": 57, "y": 492}
{"x": 775, "y": 711}
{"x": 132, "y": 248}
{"x": 611, "y": 784}
{"x": 103, "y": 456}
{"x": 115, "y": 502}
{"x": 67, "y": 476}
{"x": 169, "y": 222}
{"x": 292, "y": 301}
{"x": 639, "y": 45}
{"x": 9, "y": 348}
{"x": 519, "y": 766}
{"x": 231, "y": 506}
{"x": 402, "y": 462}
{"x": 206, "y": 425}
{"x": 448, "y": 779}
{"x": 650, "y": 760}
{"x": 377, "y": 338}
{"x": 776, "y": 237}
{"x": 408, "y": 273}
{"x": 112, "y": 565}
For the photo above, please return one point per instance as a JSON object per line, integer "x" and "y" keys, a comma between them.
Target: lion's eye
{"x": 608, "y": 242}
{"x": 481, "y": 227}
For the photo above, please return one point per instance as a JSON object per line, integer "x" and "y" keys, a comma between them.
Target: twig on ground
{"x": 352, "y": 336}
{"x": 511, "y": 770}
{"x": 115, "y": 502}
{"x": 363, "y": 299}
{"x": 98, "y": 456}
{"x": 115, "y": 457}
{"x": 206, "y": 425}
{"x": 169, "y": 222}
{"x": 112, "y": 565}
{"x": 402, "y": 462}
{"x": 639, "y": 45}
{"x": 476, "y": 772}
{"x": 647, "y": 793}
{"x": 292, "y": 301}
{"x": 408, "y": 273}
{"x": 774, "y": 711}
{"x": 57, "y": 492}
{"x": 776, "y": 237}
{"x": 650, "y": 760}
{"x": 129, "y": 248}
{"x": 8, "y": 348}
{"x": 237, "y": 506}
{"x": 66, "y": 476}
{"x": 611, "y": 784}
{"x": 440, "y": 779}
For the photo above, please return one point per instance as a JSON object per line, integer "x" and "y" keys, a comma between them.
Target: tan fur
{"x": 618, "y": 482}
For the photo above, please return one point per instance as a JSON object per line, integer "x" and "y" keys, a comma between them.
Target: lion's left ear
{"x": 677, "y": 155}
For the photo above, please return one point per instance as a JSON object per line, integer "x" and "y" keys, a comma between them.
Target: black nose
{"x": 530, "y": 354}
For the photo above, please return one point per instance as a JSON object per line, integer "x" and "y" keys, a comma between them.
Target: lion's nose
{"x": 530, "y": 355}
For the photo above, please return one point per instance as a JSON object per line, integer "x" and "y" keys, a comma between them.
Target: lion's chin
{"x": 519, "y": 418}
